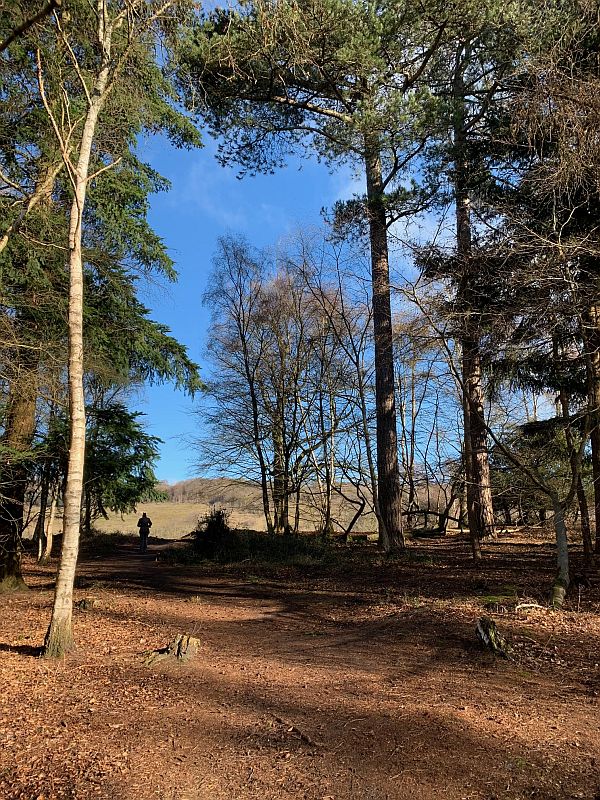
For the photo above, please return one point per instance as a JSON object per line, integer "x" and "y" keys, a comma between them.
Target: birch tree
{"x": 104, "y": 49}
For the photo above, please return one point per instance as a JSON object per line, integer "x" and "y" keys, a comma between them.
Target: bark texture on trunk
{"x": 561, "y": 582}
{"x": 391, "y": 535}
{"x": 50, "y": 529}
{"x": 280, "y": 478}
{"x": 591, "y": 339}
{"x": 479, "y": 494}
{"x": 586, "y": 532}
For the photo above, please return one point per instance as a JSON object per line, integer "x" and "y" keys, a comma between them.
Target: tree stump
{"x": 182, "y": 648}
{"x": 489, "y": 636}
{"x": 87, "y": 604}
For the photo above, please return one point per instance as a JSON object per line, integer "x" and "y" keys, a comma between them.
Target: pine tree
{"x": 344, "y": 79}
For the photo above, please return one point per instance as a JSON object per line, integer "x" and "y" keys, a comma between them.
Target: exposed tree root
{"x": 294, "y": 729}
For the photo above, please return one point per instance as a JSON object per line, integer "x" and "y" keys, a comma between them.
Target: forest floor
{"x": 361, "y": 681}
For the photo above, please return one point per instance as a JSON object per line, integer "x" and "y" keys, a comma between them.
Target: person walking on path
{"x": 144, "y": 524}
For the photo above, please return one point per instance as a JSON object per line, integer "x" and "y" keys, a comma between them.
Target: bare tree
{"x": 334, "y": 275}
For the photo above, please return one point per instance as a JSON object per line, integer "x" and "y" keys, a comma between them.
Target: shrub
{"x": 216, "y": 541}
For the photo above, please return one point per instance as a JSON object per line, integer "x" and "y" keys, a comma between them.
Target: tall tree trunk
{"x": 561, "y": 582}
{"x": 59, "y": 638}
{"x": 470, "y": 493}
{"x": 87, "y": 514}
{"x": 481, "y": 521}
{"x": 463, "y": 510}
{"x": 40, "y": 528}
{"x": 391, "y": 536}
{"x": 256, "y": 436}
{"x": 575, "y": 464}
{"x": 411, "y": 449}
{"x": 47, "y": 551}
{"x": 328, "y": 447}
{"x": 278, "y": 479}
{"x": 297, "y": 497}
{"x": 264, "y": 488}
{"x": 479, "y": 494}
{"x": 591, "y": 338}
{"x": 14, "y": 479}
{"x": 287, "y": 493}
{"x": 586, "y": 533}
{"x": 362, "y": 392}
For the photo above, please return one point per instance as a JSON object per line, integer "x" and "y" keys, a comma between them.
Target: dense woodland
{"x": 435, "y": 346}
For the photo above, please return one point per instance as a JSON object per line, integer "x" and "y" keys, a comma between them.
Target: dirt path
{"x": 320, "y": 686}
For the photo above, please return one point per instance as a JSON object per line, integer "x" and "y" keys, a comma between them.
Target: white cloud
{"x": 346, "y": 184}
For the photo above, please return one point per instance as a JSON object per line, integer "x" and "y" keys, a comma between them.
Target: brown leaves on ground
{"x": 358, "y": 683}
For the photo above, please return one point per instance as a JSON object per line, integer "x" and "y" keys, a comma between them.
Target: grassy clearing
{"x": 169, "y": 520}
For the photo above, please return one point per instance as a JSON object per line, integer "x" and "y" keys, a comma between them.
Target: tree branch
{"x": 29, "y": 23}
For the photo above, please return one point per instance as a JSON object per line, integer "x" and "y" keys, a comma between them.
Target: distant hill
{"x": 214, "y": 491}
{"x": 243, "y": 500}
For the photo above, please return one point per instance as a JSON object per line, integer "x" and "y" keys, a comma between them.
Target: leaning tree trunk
{"x": 59, "y": 638}
{"x": 17, "y": 439}
{"x": 391, "y": 536}
{"x": 355, "y": 518}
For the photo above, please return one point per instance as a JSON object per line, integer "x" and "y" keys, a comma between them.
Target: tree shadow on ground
{"x": 435, "y": 571}
{"x": 356, "y": 746}
{"x": 21, "y": 649}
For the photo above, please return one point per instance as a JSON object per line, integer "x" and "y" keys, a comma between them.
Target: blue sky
{"x": 205, "y": 202}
